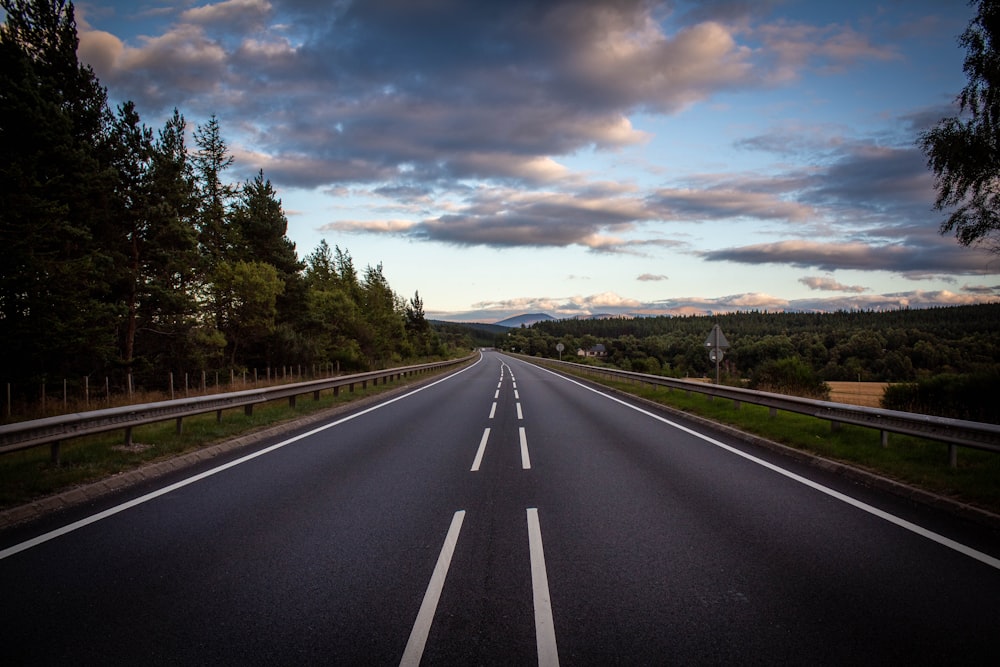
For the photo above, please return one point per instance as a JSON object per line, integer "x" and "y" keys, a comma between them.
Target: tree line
{"x": 798, "y": 352}
{"x": 125, "y": 250}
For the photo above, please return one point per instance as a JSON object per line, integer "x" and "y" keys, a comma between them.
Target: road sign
{"x": 559, "y": 348}
{"x": 717, "y": 339}
{"x": 717, "y": 345}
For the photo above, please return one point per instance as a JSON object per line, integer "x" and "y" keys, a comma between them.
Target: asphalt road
{"x": 503, "y": 515}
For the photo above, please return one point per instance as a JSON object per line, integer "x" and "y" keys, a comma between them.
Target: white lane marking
{"x": 76, "y": 525}
{"x": 493, "y": 410}
{"x": 525, "y": 460}
{"x": 496, "y": 394}
{"x": 479, "y": 452}
{"x": 545, "y": 632}
{"x": 517, "y": 395}
{"x": 499, "y": 384}
{"x": 519, "y": 415}
{"x": 422, "y": 626}
{"x": 515, "y": 385}
{"x": 865, "y": 507}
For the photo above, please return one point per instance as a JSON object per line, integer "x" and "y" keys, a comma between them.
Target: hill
{"x": 527, "y": 320}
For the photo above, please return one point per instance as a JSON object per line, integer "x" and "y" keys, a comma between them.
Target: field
{"x": 866, "y": 394}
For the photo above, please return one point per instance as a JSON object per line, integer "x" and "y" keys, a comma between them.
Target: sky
{"x": 583, "y": 157}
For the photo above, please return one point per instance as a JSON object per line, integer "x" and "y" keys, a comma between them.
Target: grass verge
{"x": 913, "y": 461}
{"x": 31, "y": 474}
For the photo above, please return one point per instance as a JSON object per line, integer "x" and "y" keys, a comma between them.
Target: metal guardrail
{"x": 54, "y": 430}
{"x": 954, "y": 432}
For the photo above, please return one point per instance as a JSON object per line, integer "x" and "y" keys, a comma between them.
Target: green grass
{"x": 915, "y": 461}
{"x": 31, "y": 473}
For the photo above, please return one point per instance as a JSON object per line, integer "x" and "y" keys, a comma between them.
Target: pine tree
{"x": 55, "y": 194}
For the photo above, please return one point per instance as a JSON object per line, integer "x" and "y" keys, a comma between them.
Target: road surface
{"x": 501, "y": 515}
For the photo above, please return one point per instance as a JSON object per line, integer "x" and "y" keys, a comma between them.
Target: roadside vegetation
{"x": 941, "y": 361}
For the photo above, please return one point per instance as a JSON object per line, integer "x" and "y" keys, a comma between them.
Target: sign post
{"x": 559, "y": 348}
{"x": 717, "y": 346}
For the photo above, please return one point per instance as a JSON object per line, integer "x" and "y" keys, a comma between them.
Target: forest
{"x": 947, "y": 359}
{"x": 127, "y": 253}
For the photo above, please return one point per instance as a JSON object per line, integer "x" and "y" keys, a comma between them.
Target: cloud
{"x": 514, "y": 218}
{"x": 613, "y": 304}
{"x": 830, "y": 285}
{"x": 910, "y": 259}
{"x": 651, "y": 277}
{"x": 239, "y": 15}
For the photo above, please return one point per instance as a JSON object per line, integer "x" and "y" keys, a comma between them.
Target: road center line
{"x": 525, "y": 460}
{"x": 517, "y": 395}
{"x": 422, "y": 626}
{"x": 865, "y": 507}
{"x": 479, "y": 452}
{"x": 493, "y": 410}
{"x": 496, "y": 394}
{"x": 519, "y": 415}
{"x": 545, "y": 632}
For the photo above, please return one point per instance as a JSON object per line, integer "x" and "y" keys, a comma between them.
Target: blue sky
{"x": 579, "y": 157}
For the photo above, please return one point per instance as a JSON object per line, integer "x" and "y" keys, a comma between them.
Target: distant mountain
{"x": 527, "y": 320}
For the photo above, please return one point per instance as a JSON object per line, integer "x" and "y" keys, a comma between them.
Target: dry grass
{"x": 867, "y": 394}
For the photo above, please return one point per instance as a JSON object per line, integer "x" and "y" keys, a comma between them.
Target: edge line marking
{"x": 94, "y": 518}
{"x": 844, "y": 498}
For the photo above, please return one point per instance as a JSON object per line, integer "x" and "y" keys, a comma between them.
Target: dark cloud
{"x": 915, "y": 259}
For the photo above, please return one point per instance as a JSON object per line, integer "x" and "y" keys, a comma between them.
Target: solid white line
{"x": 76, "y": 525}
{"x": 525, "y": 461}
{"x": 493, "y": 410}
{"x": 519, "y": 415}
{"x": 874, "y": 511}
{"x": 479, "y": 452}
{"x": 422, "y": 626}
{"x": 516, "y": 395}
{"x": 545, "y": 632}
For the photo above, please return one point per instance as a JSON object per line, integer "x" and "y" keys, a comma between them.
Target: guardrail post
{"x": 336, "y": 391}
{"x": 774, "y": 412}
{"x": 128, "y": 436}
{"x": 316, "y": 395}
{"x": 180, "y": 425}
{"x": 835, "y": 426}
{"x": 54, "y": 453}
{"x": 218, "y": 416}
{"x": 953, "y": 456}
{"x": 364, "y": 384}
{"x": 884, "y": 436}
{"x": 248, "y": 409}
{"x": 736, "y": 405}
{"x": 350, "y": 387}
{"x": 291, "y": 401}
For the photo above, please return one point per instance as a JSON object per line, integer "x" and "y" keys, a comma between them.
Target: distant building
{"x": 596, "y": 351}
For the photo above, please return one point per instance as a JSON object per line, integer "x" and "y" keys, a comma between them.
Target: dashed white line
{"x": 525, "y": 460}
{"x": 422, "y": 626}
{"x": 516, "y": 395}
{"x": 545, "y": 632}
{"x": 519, "y": 414}
{"x": 493, "y": 410}
{"x": 479, "y": 452}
